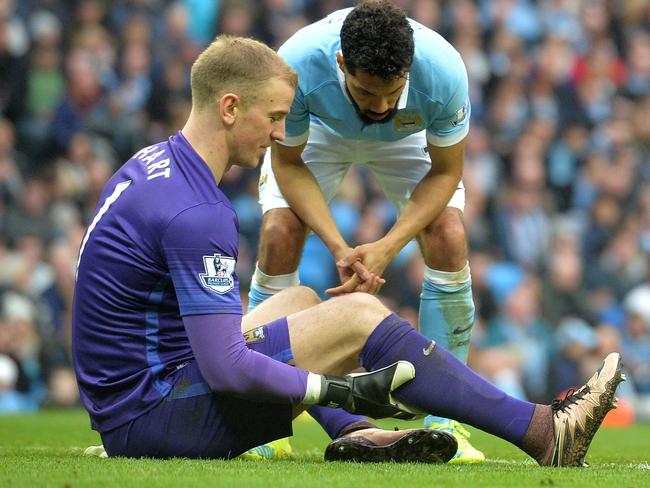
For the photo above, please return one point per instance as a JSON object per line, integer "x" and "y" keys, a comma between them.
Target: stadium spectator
{"x": 84, "y": 104}
{"x": 11, "y": 400}
{"x": 20, "y": 343}
{"x": 522, "y": 226}
{"x": 562, "y": 292}
{"x": 202, "y": 21}
{"x": 129, "y": 97}
{"x": 636, "y": 337}
{"x": 45, "y": 81}
{"x": 56, "y": 312}
{"x": 13, "y": 165}
{"x": 524, "y": 342}
{"x": 12, "y": 65}
{"x": 576, "y": 341}
{"x": 30, "y": 216}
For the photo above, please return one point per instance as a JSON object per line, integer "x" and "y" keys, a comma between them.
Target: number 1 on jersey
{"x": 119, "y": 189}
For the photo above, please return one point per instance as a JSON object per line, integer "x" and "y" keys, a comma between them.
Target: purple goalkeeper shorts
{"x": 193, "y": 422}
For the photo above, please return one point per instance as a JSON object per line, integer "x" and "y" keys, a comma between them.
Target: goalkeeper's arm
{"x": 230, "y": 367}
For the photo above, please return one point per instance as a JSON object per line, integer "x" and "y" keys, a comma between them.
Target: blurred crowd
{"x": 557, "y": 172}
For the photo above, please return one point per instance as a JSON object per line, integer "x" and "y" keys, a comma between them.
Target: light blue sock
{"x": 447, "y": 313}
{"x": 255, "y": 297}
{"x": 264, "y": 286}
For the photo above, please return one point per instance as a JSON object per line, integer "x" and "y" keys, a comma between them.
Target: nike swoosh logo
{"x": 458, "y": 330}
{"x": 429, "y": 349}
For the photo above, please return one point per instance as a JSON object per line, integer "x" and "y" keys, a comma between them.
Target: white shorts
{"x": 398, "y": 167}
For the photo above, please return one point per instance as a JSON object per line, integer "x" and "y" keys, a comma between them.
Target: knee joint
{"x": 307, "y": 296}
{"x": 447, "y": 234}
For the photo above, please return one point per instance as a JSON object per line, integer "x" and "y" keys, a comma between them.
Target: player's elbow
{"x": 218, "y": 383}
{"x": 244, "y": 387}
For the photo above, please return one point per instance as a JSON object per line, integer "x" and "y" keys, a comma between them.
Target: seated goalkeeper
{"x": 166, "y": 362}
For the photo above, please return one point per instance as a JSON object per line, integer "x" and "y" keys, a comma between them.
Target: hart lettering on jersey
{"x": 157, "y": 166}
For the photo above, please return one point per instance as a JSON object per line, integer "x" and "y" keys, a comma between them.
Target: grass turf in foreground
{"x": 45, "y": 450}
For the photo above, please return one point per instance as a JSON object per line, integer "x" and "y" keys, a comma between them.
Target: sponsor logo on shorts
{"x": 218, "y": 273}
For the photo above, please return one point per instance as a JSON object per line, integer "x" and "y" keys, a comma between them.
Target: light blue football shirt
{"x": 435, "y": 97}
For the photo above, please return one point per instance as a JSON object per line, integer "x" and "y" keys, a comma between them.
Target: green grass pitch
{"x": 45, "y": 449}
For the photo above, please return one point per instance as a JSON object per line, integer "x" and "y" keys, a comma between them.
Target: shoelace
{"x": 571, "y": 398}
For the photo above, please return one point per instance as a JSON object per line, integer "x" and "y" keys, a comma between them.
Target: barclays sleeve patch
{"x": 218, "y": 275}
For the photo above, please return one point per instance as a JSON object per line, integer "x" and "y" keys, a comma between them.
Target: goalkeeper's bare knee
{"x": 361, "y": 311}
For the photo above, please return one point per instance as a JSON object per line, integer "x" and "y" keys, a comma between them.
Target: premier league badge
{"x": 218, "y": 273}
{"x": 460, "y": 115}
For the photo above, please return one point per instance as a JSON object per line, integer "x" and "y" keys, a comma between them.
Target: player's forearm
{"x": 301, "y": 191}
{"x": 229, "y": 367}
{"x": 427, "y": 202}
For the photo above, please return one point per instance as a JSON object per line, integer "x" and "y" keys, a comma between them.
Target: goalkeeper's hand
{"x": 369, "y": 394}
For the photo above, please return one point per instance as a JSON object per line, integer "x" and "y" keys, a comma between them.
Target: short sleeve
{"x": 201, "y": 246}
{"x": 297, "y": 124}
{"x": 452, "y": 124}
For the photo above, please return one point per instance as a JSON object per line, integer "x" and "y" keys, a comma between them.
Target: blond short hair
{"x": 237, "y": 65}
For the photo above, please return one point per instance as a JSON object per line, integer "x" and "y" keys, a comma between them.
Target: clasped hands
{"x": 360, "y": 269}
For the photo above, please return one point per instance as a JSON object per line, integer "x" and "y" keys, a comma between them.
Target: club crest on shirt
{"x": 218, "y": 273}
{"x": 408, "y": 121}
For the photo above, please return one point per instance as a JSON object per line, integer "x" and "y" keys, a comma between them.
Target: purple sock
{"x": 443, "y": 385}
{"x": 333, "y": 420}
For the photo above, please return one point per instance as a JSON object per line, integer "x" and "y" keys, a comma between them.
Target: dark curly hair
{"x": 377, "y": 38}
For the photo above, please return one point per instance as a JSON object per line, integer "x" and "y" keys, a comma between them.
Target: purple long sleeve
{"x": 230, "y": 367}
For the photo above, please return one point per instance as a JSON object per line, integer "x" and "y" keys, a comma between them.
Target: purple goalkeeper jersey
{"x": 162, "y": 244}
